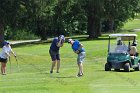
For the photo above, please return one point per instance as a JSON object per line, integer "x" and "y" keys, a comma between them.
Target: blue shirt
{"x": 77, "y": 46}
{"x": 54, "y": 44}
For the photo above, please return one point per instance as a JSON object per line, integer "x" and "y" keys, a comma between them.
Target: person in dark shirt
{"x": 54, "y": 51}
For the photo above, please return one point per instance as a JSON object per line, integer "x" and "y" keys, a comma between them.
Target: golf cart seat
{"x": 133, "y": 51}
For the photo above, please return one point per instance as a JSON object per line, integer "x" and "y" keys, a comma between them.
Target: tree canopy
{"x": 47, "y": 18}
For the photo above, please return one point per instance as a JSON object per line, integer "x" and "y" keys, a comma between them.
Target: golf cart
{"x": 121, "y": 59}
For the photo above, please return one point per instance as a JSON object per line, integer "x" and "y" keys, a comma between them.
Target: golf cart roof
{"x": 123, "y": 35}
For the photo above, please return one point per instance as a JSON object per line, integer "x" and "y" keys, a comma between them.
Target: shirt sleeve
{"x": 4, "y": 49}
{"x": 55, "y": 41}
{"x": 10, "y": 49}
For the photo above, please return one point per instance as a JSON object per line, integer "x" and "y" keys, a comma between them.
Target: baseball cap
{"x": 6, "y": 42}
{"x": 62, "y": 37}
{"x": 69, "y": 40}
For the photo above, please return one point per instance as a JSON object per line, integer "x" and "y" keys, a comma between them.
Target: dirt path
{"x": 23, "y": 41}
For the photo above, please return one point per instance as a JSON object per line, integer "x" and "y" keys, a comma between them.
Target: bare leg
{"x": 53, "y": 65}
{"x": 81, "y": 68}
{"x": 80, "y": 65}
{"x": 3, "y": 68}
{"x": 58, "y": 66}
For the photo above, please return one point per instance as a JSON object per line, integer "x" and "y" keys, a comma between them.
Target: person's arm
{"x": 59, "y": 44}
{"x": 79, "y": 49}
{"x": 81, "y": 45}
{"x": 12, "y": 51}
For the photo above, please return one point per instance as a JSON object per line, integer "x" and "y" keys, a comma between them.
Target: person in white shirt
{"x": 4, "y": 55}
{"x": 121, "y": 48}
{"x": 133, "y": 50}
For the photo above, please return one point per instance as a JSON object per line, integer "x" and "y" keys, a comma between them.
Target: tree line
{"x": 47, "y": 18}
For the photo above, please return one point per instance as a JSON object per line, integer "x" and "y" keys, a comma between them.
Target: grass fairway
{"x": 34, "y": 65}
{"x": 33, "y": 76}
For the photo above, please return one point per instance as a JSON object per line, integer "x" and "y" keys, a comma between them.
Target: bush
{"x": 19, "y": 35}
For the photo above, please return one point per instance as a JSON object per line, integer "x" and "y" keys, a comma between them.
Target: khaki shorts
{"x": 81, "y": 57}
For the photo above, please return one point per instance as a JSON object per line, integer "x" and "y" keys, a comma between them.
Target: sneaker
{"x": 51, "y": 72}
{"x": 79, "y": 75}
{"x": 3, "y": 73}
{"x": 57, "y": 72}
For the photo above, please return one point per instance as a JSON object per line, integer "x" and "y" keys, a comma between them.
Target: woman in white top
{"x": 4, "y": 55}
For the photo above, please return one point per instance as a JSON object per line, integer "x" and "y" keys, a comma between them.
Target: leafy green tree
{"x": 9, "y": 10}
{"x": 94, "y": 13}
{"x": 119, "y": 11}
{"x": 67, "y": 17}
{"x": 115, "y": 12}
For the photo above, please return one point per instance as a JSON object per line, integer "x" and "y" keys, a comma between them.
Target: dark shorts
{"x": 3, "y": 60}
{"x": 54, "y": 55}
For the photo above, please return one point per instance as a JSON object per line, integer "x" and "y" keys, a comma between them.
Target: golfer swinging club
{"x": 78, "y": 49}
{"x": 4, "y": 55}
{"x": 54, "y": 52}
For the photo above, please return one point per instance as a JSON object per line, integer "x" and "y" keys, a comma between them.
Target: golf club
{"x": 10, "y": 63}
{"x": 17, "y": 62}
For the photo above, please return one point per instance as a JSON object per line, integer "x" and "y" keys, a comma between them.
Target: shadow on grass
{"x": 122, "y": 71}
{"x": 115, "y": 71}
{"x": 64, "y": 77}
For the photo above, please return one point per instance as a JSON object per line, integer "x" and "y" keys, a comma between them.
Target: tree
{"x": 39, "y": 17}
{"x": 119, "y": 11}
{"x": 8, "y": 15}
{"x": 116, "y": 12}
{"x": 94, "y": 12}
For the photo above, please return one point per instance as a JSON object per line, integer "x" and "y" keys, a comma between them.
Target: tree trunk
{"x": 91, "y": 27}
{"x": 99, "y": 28}
{"x": 94, "y": 27}
{"x": 41, "y": 29}
{"x": 110, "y": 23}
{"x": 1, "y": 33}
{"x": 44, "y": 35}
{"x": 94, "y": 12}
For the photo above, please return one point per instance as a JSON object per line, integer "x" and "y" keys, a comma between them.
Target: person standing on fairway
{"x": 78, "y": 49}
{"x": 54, "y": 52}
{"x": 4, "y": 55}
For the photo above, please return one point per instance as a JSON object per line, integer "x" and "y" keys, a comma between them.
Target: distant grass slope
{"x": 132, "y": 24}
{"x": 137, "y": 16}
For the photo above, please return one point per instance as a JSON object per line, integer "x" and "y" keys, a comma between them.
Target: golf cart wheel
{"x": 127, "y": 67}
{"x": 107, "y": 67}
{"x": 138, "y": 68}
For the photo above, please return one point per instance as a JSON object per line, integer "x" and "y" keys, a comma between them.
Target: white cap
{"x": 69, "y": 40}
